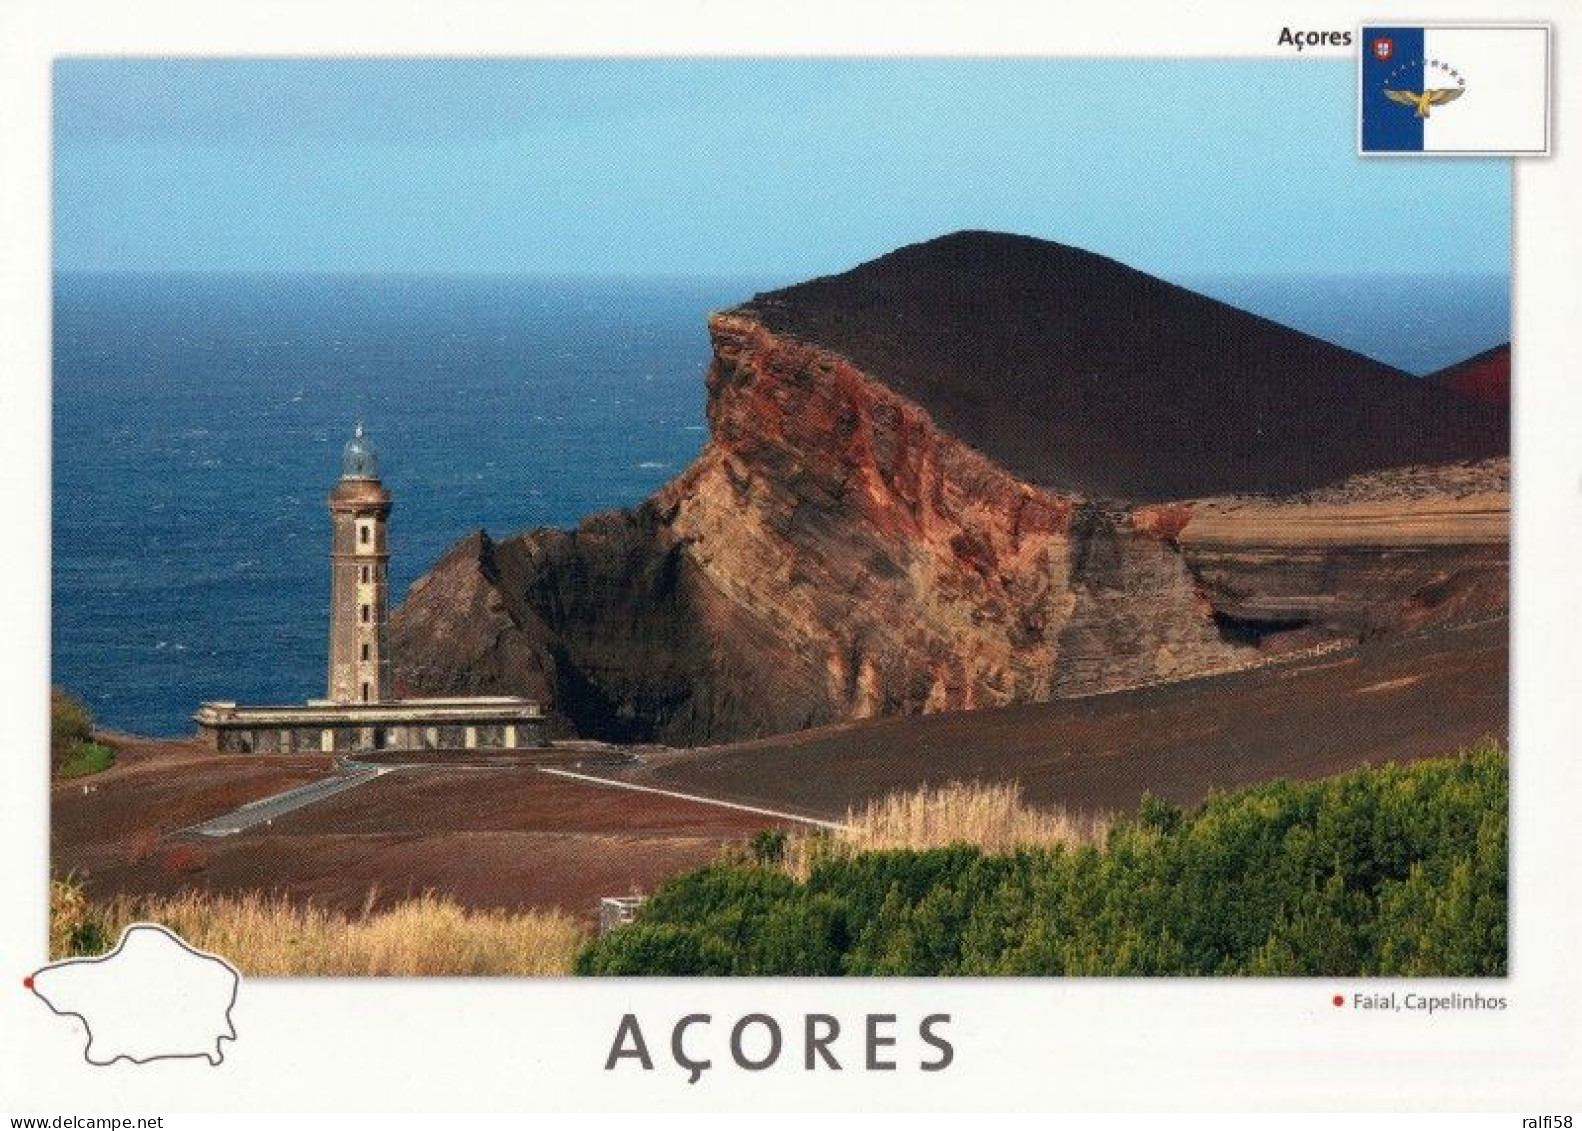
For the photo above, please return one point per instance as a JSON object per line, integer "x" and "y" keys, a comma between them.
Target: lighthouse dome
{"x": 357, "y": 459}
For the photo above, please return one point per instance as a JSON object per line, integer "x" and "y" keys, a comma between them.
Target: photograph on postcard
{"x": 742, "y": 516}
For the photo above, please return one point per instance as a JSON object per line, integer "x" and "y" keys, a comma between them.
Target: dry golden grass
{"x": 266, "y": 935}
{"x": 994, "y": 817}
{"x": 270, "y": 936}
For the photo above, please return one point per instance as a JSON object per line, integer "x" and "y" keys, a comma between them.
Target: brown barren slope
{"x": 1486, "y": 377}
{"x": 158, "y": 786}
{"x": 487, "y": 838}
{"x": 1397, "y": 699}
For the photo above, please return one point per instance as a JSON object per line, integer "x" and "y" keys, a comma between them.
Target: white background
{"x": 1079, "y": 1044}
{"x": 1503, "y": 110}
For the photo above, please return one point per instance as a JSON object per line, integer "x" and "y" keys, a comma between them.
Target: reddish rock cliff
{"x": 835, "y": 553}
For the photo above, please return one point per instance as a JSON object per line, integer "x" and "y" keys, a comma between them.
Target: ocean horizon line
{"x": 59, "y": 273}
{"x": 782, "y": 278}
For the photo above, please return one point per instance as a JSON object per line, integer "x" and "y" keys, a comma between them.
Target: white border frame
{"x": 1079, "y": 1044}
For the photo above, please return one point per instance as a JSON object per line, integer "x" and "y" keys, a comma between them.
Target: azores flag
{"x": 1474, "y": 90}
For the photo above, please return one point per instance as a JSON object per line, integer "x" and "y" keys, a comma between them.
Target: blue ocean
{"x": 198, "y": 423}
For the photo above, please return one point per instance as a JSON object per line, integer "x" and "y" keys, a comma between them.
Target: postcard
{"x": 792, "y": 567}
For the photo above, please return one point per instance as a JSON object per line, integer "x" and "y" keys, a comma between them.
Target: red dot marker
{"x": 1338, "y": 1001}
{"x": 27, "y": 983}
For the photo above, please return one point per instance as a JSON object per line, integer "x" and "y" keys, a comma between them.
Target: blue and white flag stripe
{"x": 1454, "y": 90}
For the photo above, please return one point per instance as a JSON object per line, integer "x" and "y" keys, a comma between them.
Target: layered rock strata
{"x": 836, "y": 552}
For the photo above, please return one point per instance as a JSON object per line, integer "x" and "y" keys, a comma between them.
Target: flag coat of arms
{"x": 1474, "y": 90}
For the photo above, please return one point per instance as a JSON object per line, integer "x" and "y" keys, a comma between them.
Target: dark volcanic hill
{"x": 1076, "y": 372}
{"x": 1486, "y": 377}
{"x": 910, "y": 502}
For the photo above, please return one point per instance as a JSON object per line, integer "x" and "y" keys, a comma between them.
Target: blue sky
{"x": 742, "y": 167}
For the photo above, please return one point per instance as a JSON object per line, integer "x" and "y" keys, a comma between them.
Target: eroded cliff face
{"x": 1386, "y": 552}
{"x": 831, "y": 554}
{"x": 834, "y": 554}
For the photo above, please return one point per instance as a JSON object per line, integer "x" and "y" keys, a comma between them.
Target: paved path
{"x": 695, "y": 797}
{"x": 266, "y": 809}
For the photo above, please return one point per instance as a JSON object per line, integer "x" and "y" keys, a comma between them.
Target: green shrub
{"x": 661, "y": 950}
{"x": 86, "y": 758}
{"x": 72, "y": 750}
{"x": 769, "y": 847}
{"x": 1157, "y": 813}
{"x": 1396, "y": 870}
